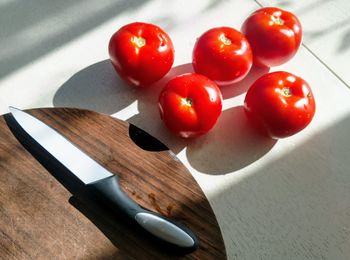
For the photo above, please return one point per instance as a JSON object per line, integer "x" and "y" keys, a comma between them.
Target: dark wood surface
{"x": 45, "y": 213}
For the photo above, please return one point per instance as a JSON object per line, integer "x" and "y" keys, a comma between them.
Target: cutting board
{"x": 45, "y": 213}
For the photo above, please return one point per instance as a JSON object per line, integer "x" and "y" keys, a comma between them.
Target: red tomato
{"x": 190, "y": 104}
{"x": 222, "y": 54}
{"x": 280, "y": 103}
{"x": 274, "y": 35}
{"x": 141, "y": 53}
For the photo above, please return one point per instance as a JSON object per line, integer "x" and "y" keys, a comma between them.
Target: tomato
{"x": 274, "y": 35}
{"x": 280, "y": 103}
{"x": 141, "y": 53}
{"x": 190, "y": 104}
{"x": 222, "y": 54}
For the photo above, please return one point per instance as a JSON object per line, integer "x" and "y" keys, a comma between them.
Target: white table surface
{"x": 273, "y": 200}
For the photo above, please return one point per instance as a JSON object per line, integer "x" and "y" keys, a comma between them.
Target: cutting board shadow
{"x": 148, "y": 172}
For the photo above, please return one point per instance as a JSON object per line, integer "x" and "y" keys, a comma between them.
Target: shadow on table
{"x": 96, "y": 88}
{"x": 232, "y": 145}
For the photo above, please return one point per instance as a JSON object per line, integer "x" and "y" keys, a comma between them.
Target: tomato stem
{"x": 225, "y": 40}
{"x": 277, "y": 20}
{"x": 187, "y": 102}
{"x": 287, "y": 92}
{"x": 139, "y": 41}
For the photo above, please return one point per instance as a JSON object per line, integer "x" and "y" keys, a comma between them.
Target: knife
{"x": 104, "y": 183}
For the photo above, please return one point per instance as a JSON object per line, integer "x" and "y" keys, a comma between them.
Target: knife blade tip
{"x": 13, "y": 109}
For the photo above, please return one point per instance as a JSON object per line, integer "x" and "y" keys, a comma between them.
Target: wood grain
{"x": 45, "y": 213}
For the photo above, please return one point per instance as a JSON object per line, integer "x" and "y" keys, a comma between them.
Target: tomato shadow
{"x": 241, "y": 87}
{"x": 97, "y": 88}
{"x": 230, "y": 146}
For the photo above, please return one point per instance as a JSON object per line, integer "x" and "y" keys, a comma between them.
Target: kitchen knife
{"x": 103, "y": 183}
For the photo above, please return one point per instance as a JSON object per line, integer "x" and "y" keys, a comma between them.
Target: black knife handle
{"x": 169, "y": 231}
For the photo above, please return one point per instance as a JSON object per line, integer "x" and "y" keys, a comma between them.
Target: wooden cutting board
{"x": 45, "y": 212}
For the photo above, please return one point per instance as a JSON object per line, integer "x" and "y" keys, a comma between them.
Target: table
{"x": 273, "y": 200}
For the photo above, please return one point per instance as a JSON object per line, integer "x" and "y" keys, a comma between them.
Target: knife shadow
{"x": 128, "y": 238}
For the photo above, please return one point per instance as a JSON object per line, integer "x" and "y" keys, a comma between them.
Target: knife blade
{"x": 104, "y": 183}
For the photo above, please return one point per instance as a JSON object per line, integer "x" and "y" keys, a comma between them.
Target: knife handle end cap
{"x": 166, "y": 230}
